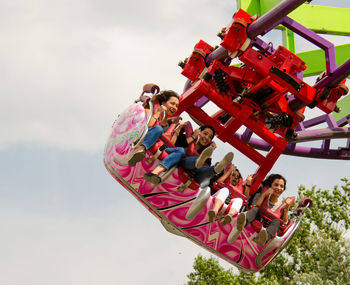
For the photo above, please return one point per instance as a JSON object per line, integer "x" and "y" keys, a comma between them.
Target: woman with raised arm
{"x": 199, "y": 146}
{"x": 232, "y": 194}
{"x": 276, "y": 184}
{"x": 158, "y": 123}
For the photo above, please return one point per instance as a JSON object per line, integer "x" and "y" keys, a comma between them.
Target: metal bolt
{"x": 337, "y": 109}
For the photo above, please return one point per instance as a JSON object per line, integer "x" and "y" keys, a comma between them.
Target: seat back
{"x": 234, "y": 191}
{"x": 271, "y": 215}
{"x": 185, "y": 177}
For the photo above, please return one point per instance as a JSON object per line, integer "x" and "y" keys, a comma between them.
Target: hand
{"x": 195, "y": 134}
{"x": 162, "y": 109}
{"x": 289, "y": 202}
{"x": 249, "y": 180}
{"x": 213, "y": 144}
{"x": 233, "y": 167}
{"x": 268, "y": 192}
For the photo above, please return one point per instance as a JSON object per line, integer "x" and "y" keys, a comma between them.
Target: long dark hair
{"x": 269, "y": 180}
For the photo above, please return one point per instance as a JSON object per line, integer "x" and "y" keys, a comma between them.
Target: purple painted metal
{"x": 277, "y": 16}
{"x": 272, "y": 16}
{"x": 334, "y": 130}
{"x": 314, "y": 38}
{"x": 261, "y": 45}
{"x": 220, "y": 52}
{"x": 334, "y": 78}
{"x": 262, "y": 25}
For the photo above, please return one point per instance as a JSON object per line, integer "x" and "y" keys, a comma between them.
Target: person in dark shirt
{"x": 198, "y": 147}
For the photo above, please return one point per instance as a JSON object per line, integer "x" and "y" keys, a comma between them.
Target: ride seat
{"x": 233, "y": 191}
{"x": 185, "y": 177}
{"x": 164, "y": 142}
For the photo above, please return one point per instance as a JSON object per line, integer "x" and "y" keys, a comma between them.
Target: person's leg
{"x": 243, "y": 219}
{"x": 220, "y": 198}
{"x": 273, "y": 228}
{"x": 235, "y": 206}
{"x": 204, "y": 173}
{"x": 152, "y": 136}
{"x": 175, "y": 154}
{"x": 188, "y": 163}
{"x": 252, "y": 214}
{"x": 266, "y": 234}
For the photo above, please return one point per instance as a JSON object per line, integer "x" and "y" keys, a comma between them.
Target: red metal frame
{"x": 251, "y": 95}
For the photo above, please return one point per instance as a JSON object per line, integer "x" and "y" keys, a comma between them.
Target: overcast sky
{"x": 67, "y": 68}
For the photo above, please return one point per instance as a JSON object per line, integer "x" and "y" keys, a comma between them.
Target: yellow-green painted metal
{"x": 288, "y": 39}
{"x": 315, "y": 59}
{"x": 334, "y": 20}
{"x": 344, "y": 105}
{"x": 320, "y": 19}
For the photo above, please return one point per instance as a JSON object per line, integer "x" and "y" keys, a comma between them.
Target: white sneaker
{"x": 219, "y": 167}
{"x": 233, "y": 235}
{"x": 237, "y": 229}
{"x": 206, "y": 153}
{"x": 212, "y": 215}
{"x": 261, "y": 238}
{"x": 241, "y": 221}
{"x": 227, "y": 220}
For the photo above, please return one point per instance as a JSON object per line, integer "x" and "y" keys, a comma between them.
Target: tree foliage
{"x": 318, "y": 254}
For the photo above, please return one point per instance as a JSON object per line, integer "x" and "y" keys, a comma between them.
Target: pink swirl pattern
{"x": 166, "y": 202}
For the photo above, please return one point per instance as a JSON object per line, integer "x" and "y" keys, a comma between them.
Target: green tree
{"x": 318, "y": 254}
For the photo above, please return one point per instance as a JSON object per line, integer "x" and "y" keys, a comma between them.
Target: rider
{"x": 276, "y": 185}
{"x": 200, "y": 148}
{"x": 158, "y": 123}
{"x": 233, "y": 180}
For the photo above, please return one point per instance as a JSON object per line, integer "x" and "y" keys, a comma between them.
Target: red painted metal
{"x": 256, "y": 95}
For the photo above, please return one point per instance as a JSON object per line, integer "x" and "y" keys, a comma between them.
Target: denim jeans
{"x": 175, "y": 155}
{"x": 153, "y": 135}
{"x": 202, "y": 175}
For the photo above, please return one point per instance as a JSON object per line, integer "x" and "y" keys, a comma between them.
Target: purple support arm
{"x": 334, "y": 78}
{"x": 274, "y": 15}
{"x": 259, "y": 27}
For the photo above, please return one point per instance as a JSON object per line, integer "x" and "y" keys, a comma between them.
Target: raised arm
{"x": 156, "y": 115}
{"x": 227, "y": 173}
{"x": 247, "y": 185}
{"x": 263, "y": 196}
{"x": 289, "y": 203}
{"x": 193, "y": 137}
{"x": 177, "y": 132}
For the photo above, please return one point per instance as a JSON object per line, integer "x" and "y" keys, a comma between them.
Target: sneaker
{"x": 219, "y": 167}
{"x": 137, "y": 156}
{"x": 227, "y": 220}
{"x": 206, "y": 153}
{"x": 153, "y": 178}
{"x": 261, "y": 238}
{"x": 212, "y": 215}
{"x": 233, "y": 235}
{"x": 241, "y": 220}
